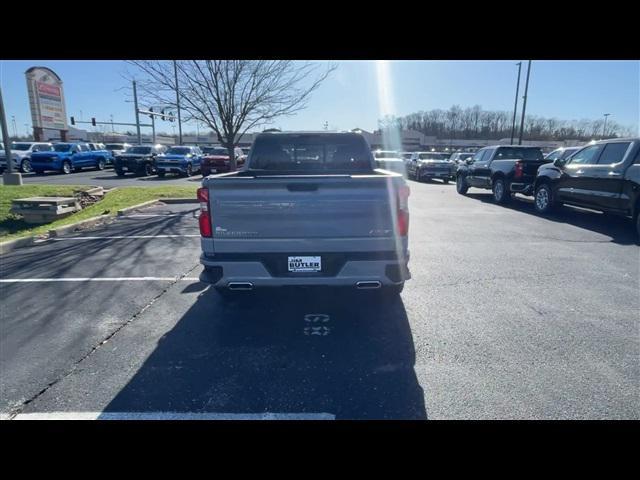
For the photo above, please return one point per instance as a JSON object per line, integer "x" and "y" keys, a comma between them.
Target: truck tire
{"x": 119, "y": 172}
{"x": 189, "y": 170}
{"x": 101, "y": 164}
{"x": 638, "y": 226}
{"x": 25, "y": 166}
{"x": 543, "y": 200}
{"x": 461, "y": 185}
{"x": 66, "y": 167}
{"x": 445, "y": 181}
{"x": 500, "y": 193}
{"x": 161, "y": 173}
{"x": 146, "y": 170}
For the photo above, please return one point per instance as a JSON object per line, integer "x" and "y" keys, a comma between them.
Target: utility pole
{"x": 135, "y": 101}
{"x": 515, "y": 107}
{"x": 15, "y": 130}
{"x": 9, "y": 177}
{"x": 153, "y": 129}
{"x": 111, "y": 117}
{"x": 524, "y": 104}
{"x": 175, "y": 73}
{"x": 604, "y": 127}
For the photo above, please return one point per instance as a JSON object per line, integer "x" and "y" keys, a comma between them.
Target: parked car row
{"x": 603, "y": 175}
{"x": 141, "y": 160}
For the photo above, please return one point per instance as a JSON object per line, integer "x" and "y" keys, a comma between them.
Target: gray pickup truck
{"x": 308, "y": 208}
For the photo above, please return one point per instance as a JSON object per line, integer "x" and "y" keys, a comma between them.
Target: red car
{"x": 216, "y": 160}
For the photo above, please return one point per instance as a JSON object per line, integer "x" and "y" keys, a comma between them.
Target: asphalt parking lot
{"x": 106, "y": 178}
{"x": 508, "y": 315}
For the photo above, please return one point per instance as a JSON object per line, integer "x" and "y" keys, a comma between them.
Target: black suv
{"x": 139, "y": 159}
{"x": 603, "y": 176}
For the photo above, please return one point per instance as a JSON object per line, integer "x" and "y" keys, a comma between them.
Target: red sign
{"x": 48, "y": 89}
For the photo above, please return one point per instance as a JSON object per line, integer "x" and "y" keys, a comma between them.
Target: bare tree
{"x": 231, "y": 96}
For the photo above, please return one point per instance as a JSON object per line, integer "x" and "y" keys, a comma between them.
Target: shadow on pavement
{"x": 619, "y": 229}
{"x": 266, "y": 353}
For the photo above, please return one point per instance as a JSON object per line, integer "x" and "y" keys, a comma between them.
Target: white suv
{"x": 21, "y": 154}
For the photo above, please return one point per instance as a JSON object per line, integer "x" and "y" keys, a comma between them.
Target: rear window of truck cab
{"x": 515, "y": 153}
{"x": 311, "y": 154}
{"x": 62, "y": 147}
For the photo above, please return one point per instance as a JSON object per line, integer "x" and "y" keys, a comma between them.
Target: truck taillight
{"x": 403, "y": 210}
{"x": 518, "y": 170}
{"x": 205, "y": 219}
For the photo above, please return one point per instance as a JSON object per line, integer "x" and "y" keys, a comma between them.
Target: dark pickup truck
{"x": 138, "y": 159}
{"x": 504, "y": 169}
{"x": 603, "y": 176}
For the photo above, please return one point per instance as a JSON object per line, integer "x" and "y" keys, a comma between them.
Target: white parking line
{"x": 97, "y": 279}
{"x": 114, "y": 237}
{"x": 170, "y": 416}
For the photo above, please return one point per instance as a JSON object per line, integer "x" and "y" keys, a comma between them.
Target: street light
{"x": 604, "y": 127}
{"x": 515, "y": 107}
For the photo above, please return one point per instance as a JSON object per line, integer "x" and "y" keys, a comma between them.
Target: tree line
{"x": 476, "y": 123}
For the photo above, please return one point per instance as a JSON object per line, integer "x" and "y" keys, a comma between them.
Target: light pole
{"x": 9, "y": 177}
{"x": 515, "y": 107}
{"x": 26, "y": 125}
{"x": 604, "y": 127}
{"x": 524, "y": 104}
{"x": 15, "y": 130}
{"x": 175, "y": 73}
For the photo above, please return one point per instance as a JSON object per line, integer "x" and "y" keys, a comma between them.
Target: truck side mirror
{"x": 558, "y": 162}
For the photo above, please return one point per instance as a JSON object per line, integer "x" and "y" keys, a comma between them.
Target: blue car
{"x": 181, "y": 160}
{"x": 68, "y": 157}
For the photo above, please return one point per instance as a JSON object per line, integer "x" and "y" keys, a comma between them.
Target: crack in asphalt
{"x": 17, "y": 410}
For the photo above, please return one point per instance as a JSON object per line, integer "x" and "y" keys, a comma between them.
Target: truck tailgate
{"x": 303, "y": 213}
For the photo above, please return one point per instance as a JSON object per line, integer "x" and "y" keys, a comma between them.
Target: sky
{"x": 358, "y": 93}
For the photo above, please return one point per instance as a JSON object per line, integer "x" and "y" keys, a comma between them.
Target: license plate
{"x": 305, "y": 264}
{"x": 213, "y": 170}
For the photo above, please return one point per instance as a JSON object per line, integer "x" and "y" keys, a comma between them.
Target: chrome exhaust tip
{"x": 240, "y": 286}
{"x": 368, "y": 285}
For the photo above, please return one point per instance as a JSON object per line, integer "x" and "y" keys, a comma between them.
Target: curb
{"x": 6, "y": 247}
{"x": 124, "y": 211}
{"x": 178, "y": 200}
{"x": 89, "y": 222}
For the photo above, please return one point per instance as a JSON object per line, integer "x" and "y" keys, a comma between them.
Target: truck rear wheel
{"x": 500, "y": 193}
{"x": 101, "y": 164}
{"x": 66, "y": 167}
{"x": 119, "y": 172}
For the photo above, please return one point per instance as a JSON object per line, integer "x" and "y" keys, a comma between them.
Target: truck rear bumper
{"x": 222, "y": 273}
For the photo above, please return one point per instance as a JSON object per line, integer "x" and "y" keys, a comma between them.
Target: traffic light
{"x": 162, "y": 112}
{"x": 151, "y": 110}
{"x": 73, "y": 121}
{"x": 93, "y": 121}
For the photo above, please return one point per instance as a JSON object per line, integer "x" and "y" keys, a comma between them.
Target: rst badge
{"x": 305, "y": 264}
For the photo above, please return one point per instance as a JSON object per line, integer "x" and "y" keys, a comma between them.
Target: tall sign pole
{"x": 515, "y": 107}
{"x": 524, "y": 104}
{"x": 604, "y": 127}
{"x": 10, "y": 177}
{"x": 135, "y": 101}
{"x": 175, "y": 73}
